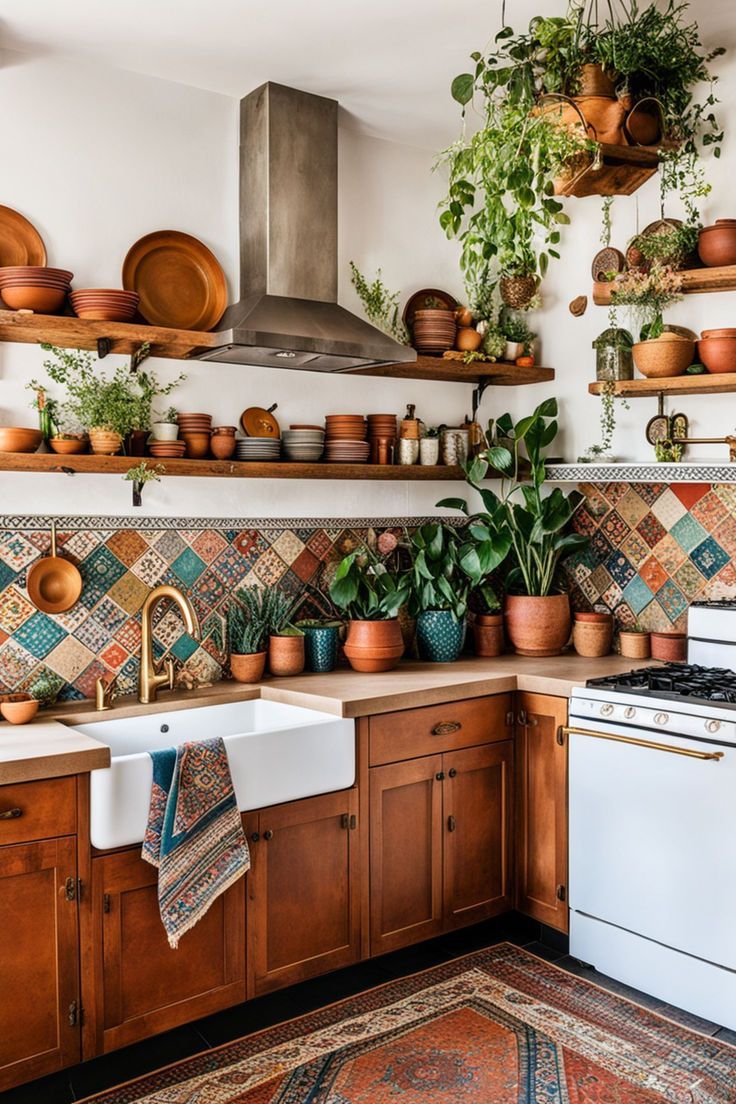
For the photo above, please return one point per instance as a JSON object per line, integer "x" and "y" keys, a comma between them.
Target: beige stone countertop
{"x": 47, "y": 748}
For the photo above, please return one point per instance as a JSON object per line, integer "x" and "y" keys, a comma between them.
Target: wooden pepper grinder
{"x": 409, "y": 433}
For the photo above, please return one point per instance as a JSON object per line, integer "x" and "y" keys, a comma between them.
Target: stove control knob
{"x": 629, "y": 712}
{"x": 712, "y": 726}
{"x": 606, "y": 710}
{"x": 661, "y": 718}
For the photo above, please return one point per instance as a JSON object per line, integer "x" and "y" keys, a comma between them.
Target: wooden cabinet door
{"x": 541, "y": 809}
{"x": 303, "y": 890}
{"x": 39, "y": 964}
{"x": 478, "y": 801}
{"x": 146, "y": 986}
{"x": 406, "y": 853}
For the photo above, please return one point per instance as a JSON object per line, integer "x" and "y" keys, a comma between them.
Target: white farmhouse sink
{"x": 276, "y": 752}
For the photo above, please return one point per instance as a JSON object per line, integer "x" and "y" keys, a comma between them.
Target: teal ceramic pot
{"x": 440, "y": 636}
{"x": 320, "y": 647}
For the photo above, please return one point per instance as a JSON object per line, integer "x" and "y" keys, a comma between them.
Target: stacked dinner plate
{"x": 303, "y": 444}
{"x": 345, "y": 441}
{"x": 257, "y": 448}
{"x": 34, "y": 287}
{"x": 104, "y": 304}
{"x": 171, "y": 450}
{"x": 382, "y": 434}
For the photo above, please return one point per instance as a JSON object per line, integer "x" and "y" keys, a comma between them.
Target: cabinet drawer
{"x": 38, "y": 810}
{"x": 436, "y": 728}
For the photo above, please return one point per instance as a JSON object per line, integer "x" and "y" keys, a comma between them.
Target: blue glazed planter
{"x": 439, "y": 636}
{"x": 320, "y": 647}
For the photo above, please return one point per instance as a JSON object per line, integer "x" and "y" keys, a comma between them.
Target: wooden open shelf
{"x": 623, "y": 169}
{"x": 118, "y": 465}
{"x": 127, "y": 338}
{"x": 707, "y": 384}
{"x": 695, "y": 281}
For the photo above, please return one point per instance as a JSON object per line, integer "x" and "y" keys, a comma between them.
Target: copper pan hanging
{"x": 54, "y": 583}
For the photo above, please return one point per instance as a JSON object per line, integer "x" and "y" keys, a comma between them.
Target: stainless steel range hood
{"x": 288, "y": 315}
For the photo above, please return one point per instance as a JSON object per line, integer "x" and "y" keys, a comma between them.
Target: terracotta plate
{"x": 20, "y": 242}
{"x": 180, "y": 282}
{"x": 257, "y": 422}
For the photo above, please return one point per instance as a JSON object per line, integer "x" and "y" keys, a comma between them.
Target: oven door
{"x": 653, "y": 837}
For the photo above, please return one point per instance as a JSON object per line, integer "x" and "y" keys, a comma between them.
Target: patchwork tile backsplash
{"x": 654, "y": 549}
{"x": 120, "y": 559}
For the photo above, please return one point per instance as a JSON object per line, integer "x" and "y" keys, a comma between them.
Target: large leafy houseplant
{"x": 531, "y": 526}
{"x": 439, "y": 590}
{"x": 371, "y": 596}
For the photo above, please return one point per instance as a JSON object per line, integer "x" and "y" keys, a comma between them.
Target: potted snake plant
{"x": 247, "y": 632}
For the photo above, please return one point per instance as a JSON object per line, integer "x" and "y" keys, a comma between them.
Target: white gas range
{"x": 652, "y": 794}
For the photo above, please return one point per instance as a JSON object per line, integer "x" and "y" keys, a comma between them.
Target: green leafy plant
{"x": 608, "y": 398}
{"x": 667, "y": 452}
{"x": 279, "y": 609}
{"x": 521, "y": 520}
{"x": 380, "y": 305}
{"x": 669, "y": 246}
{"x": 515, "y": 328}
{"x": 438, "y": 579}
{"x": 366, "y": 590}
{"x": 170, "y": 416}
{"x": 647, "y": 294}
{"x": 142, "y": 474}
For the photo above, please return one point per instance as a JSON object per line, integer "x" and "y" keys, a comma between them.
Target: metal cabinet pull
{"x": 636, "y": 742}
{"x": 444, "y": 728}
{"x": 106, "y": 902}
{"x": 268, "y": 834}
{"x": 451, "y": 824}
{"x": 255, "y": 836}
{"x": 344, "y": 821}
{"x": 70, "y": 889}
{"x": 440, "y": 776}
{"x": 11, "y": 814}
{"x": 561, "y": 893}
{"x": 452, "y": 773}
{"x": 353, "y": 822}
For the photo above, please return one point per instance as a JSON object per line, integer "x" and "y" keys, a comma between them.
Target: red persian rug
{"x": 496, "y": 1027}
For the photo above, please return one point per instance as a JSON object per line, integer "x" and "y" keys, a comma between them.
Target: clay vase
{"x": 592, "y": 634}
{"x": 669, "y": 646}
{"x": 604, "y": 116}
{"x": 537, "y": 626}
{"x": 374, "y": 645}
{"x": 247, "y": 668}
{"x": 634, "y": 645}
{"x": 222, "y": 446}
{"x": 717, "y": 243}
{"x": 488, "y": 634}
{"x": 286, "y": 655}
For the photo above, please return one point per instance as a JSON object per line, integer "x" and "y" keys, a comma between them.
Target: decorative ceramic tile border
{"x": 642, "y": 473}
{"x": 147, "y": 524}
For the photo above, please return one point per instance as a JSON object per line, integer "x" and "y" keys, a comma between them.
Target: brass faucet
{"x": 153, "y": 674}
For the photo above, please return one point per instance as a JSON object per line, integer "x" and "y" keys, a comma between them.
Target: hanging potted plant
{"x": 439, "y": 591}
{"x": 659, "y": 352}
{"x": 247, "y": 633}
{"x": 371, "y": 597}
{"x": 531, "y": 526}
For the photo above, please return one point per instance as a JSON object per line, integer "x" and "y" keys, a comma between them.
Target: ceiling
{"x": 388, "y": 62}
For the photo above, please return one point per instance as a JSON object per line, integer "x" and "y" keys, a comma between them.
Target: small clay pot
{"x": 69, "y": 446}
{"x": 488, "y": 634}
{"x": 105, "y": 442}
{"x": 669, "y": 646}
{"x": 164, "y": 431}
{"x": 634, "y": 645}
{"x": 286, "y": 655}
{"x": 717, "y": 243}
{"x": 718, "y": 354}
{"x": 662, "y": 357}
{"x": 248, "y": 668}
{"x": 537, "y": 626}
{"x": 592, "y": 634}
{"x": 135, "y": 443}
{"x": 468, "y": 340}
{"x": 222, "y": 446}
{"x": 374, "y": 645}
{"x": 197, "y": 445}
{"x": 18, "y": 708}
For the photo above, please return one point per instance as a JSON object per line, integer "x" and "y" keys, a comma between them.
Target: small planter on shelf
{"x": 634, "y": 643}
{"x": 247, "y": 666}
{"x": 69, "y": 444}
{"x": 286, "y": 653}
{"x": 669, "y": 646}
{"x": 664, "y": 356}
{"x": 374, "y": 646}
{"x": 18, "y": 709}
{"x": 247, "y": 628}
{"x": 592, "y": 634}
{"x": 104, "y": 442}
{"x": 440, "y": 636}
{"x": 537, "y": 626}
{"x": 439, "y": 591}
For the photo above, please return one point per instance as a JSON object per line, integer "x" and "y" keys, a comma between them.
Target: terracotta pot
{"x": 43, "y": 300}
{"x": 671, "y": 646}
{"x": 488, "y": 634}
{"x": 592, "y": 635}
{"x": 537, "y": 626}
{"x": 718, "y": 354}
{"x": 18, "y": 708}
{"x": 662, "y": 357}
{"x": 248, "y": 668}
{"x": 604, "y": 116}
{"x": 518, "y": 291}
{"x": 286, "y": 655}
{"x": 595, "y": 81}
{"x": 19, "y": 439}
{"x": 198, "y": 444}
{"x": 643, "y": 126}
{"x": 374, "y": 645}
{"x": 592, "y": 616}
{"x": 222, "y": 446}
{"x": 468, "y": 340}
{"x": 105, "y": 442}
{"x": 69, "y": 446}
{"x": 634, "y": 645}
{"x": 717, "y": 243}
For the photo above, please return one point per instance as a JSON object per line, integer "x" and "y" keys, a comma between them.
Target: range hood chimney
{"x": 288, "y": 315}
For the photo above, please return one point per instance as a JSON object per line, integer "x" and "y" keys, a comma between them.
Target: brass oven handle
{"x": 444, "y": 728}
{"x": 715, "y": 755}
{"x": 11, "y": 814}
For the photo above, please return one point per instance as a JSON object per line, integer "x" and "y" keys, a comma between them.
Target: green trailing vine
{"x": 381, "y": 306}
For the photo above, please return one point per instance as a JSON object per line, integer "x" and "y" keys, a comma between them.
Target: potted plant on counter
{"x": 439, "y": 592}
{"x": 486, "y": 618}
{"x": 371, "y": 596}
{"x": 285, "y": 640}
{"x": 321, "y": 640}
{"x": 532, "y": 526}
{"x": 247, "y": 632}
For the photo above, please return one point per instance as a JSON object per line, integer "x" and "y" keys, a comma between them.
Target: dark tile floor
{"x": 134, "y": 1061}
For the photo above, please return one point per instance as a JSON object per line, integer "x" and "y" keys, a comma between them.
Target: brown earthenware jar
{"x": 488, "y": 634}
{"x": 247, "y": 668}
{"x": 634, "y": 645}
{"x": 286, "y": 655}
{"x": 374, "y": 645}
{"x": 537, "y": 626}
{"x": 592, "y": 634}
{"x": 669, "y": 646}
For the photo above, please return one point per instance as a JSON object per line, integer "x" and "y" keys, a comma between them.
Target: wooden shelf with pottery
{"x": 498, "y": 372}
{"x": 118, "y": 465}
{"x": 709, "y": 383}
{"x": 695, "y": 281}
{"x": 623, "y": 169}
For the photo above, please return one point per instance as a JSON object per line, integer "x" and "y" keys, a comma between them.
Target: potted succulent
{"x": 247, "y": 632}
{"x": 529, "y": 524}
{"x": 659, "y": 352}
{"x": 166, "y": 428}
{"x": 634, "y": 642}
{"x": 486, "y": 617}
{"x": 439, "y": 591}
{"x": 285, "y": 640}
{"x": 518, "y": 336}
{"x": 371, "y": 596}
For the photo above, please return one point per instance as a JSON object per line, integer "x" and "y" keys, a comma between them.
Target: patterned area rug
{"x": 497, "y": 1027}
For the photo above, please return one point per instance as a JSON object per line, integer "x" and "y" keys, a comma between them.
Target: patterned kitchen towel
{"x": 195, "y": 835}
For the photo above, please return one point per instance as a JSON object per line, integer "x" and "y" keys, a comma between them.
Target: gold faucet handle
{"x": 105, "y": 691}
{"x": 170, "y": 668}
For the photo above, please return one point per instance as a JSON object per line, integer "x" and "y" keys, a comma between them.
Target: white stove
{"x": 652, "y": 794}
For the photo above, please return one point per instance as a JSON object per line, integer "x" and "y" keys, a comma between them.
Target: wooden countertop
{"x": 48, "y": 748}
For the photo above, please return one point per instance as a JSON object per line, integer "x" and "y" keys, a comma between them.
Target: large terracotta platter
{"x": 20, "y": 242}
{"x": 179, "y": 280}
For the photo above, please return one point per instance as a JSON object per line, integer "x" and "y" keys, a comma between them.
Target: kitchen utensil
{"x": 54, "y": 583}
{"x": 16, "y": 439}
{"x": 258, "y": 422}
{"x": 179, "y": 280}
{"x": 20, "y": 242}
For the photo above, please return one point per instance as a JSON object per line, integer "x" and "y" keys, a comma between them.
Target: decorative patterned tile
{"x": 232, "y": 565}
{"x": 187, "y": 567}
{"x": 288, "y": 546}
{"x": 653, "y": 574}
{"x": 632, "y": 508}
{"x": 600, "y": 578}
{"x": 668, "y": 509}
{"x": 129, "y": 635}
{"x": 727, "y": 494}
{"x": 637, "y": 594}
{"x": 99, "y": 571}
{"x": 184, "y": 647}
{"x": 650, "y": 492}
{"x": 109, "y": 614}
{"x": 710, "y": 511}
{"x": 150, "y": 568}
{"x": 81, "y": 544}
{"x": 16, "y": 551}
{"x": 651, "y": 529}
{"x": 636, "y": 549}
{"x": 725, "y": 534}
{"x": 690, "y": 493}
{"x": 39, "y": 634}
{"x": 305, "y": 565}
{"x": 688, "y": 532}
{"x": 69, "y": 659}
{"x": 85, "y": 683}
{"x": 129, "y": 592}
{"x": 320, "y": 544}
{"x": 672, "y": 600}
{"x": 709, "y": 557}
{"x": 690, "y": 581}
{"x": 15, "y": 609}
{"x": 16, "y": 664}
{"x": 612, "y": 595}
{"x": 169, "y": 545}
{"x": 269, "y": 568}
{"x": 114, "y": 656}
{"x": 250, "y": 544}
{"x": 7, "y": 576}
{"x": 601, "y": 547}
{"x": 93, "y": 634}
{"x": 653, "y": 618}
{"x": 622, "y": 572}
{"x": 615, "y": 528}
{"x": 669, "y": 553}
{"x": 209, "y": 544}
{"x": 127, "y": 545}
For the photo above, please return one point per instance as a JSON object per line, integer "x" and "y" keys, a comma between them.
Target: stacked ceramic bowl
{"x": 345, "y": 439}
{"x": 104, "y": 304}
{"x": 194, "y": 431}
{"x": 34, "y": 287}
{"x": 382, "y": 434}
{"x": 434, "y": 331}
{"x": 167, "y": 450}
{"x": 303, "y": 444}
{"x": 258, "y": 448}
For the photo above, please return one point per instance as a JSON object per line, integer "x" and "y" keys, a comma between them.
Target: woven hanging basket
{"x": 517, "y": 292}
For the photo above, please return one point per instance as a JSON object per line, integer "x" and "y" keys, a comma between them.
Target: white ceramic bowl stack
{"x": 303, "y": 445}
{"x": 258, "y": 448}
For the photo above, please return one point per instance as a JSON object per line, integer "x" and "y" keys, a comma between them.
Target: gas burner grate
{"x": 674, "y": 681}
